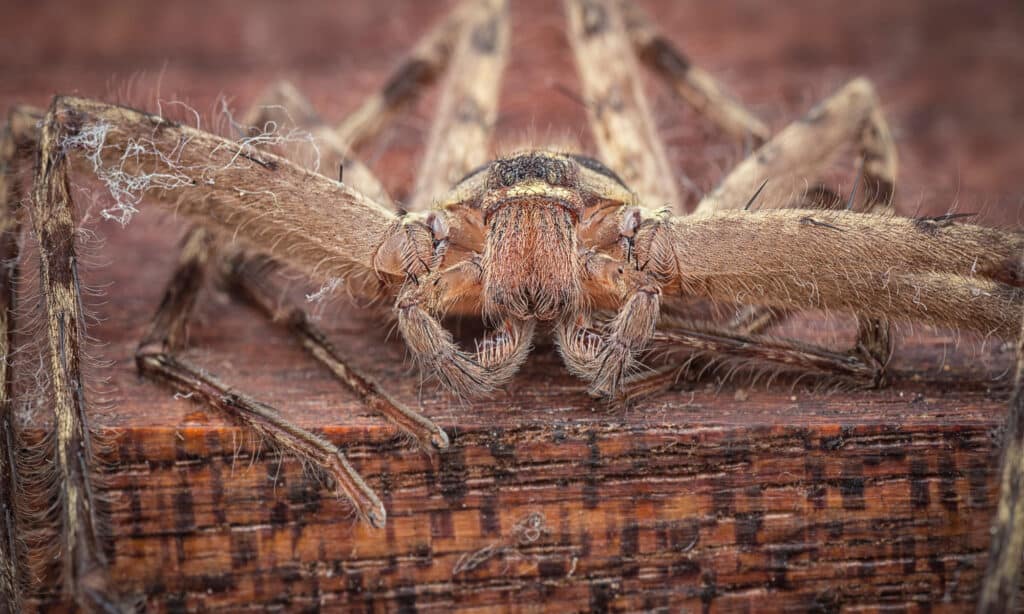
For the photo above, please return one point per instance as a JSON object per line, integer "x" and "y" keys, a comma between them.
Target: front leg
{"x": 82, "y": 560}
{"x": 319, "y": 225}
{"x": 934, "y": 271}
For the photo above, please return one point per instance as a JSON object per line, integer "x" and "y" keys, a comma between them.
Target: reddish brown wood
{"x": 788, "y": 498}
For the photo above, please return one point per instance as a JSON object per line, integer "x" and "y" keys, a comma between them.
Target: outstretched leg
{"x": 327, "y": 228}
{"x": 156, "y": 357}
{"x": 50, "y": 209}
{"x": 933, "y": 271}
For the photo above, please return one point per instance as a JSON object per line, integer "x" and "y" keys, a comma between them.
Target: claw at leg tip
{"x": 377, "y": 517}
{"x": 439, "y": 440}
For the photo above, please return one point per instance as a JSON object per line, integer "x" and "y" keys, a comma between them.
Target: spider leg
{"x": 427, "y": 60}
{"x": 805, "y": 148}
{"x": 800, "y": 152}
{"x": 461, "y": 130}
{"x": 937, "y": 272}
{"x": 694, "y": 339}
{"x": 247, "y": 279}
{"x": 83, "y": 562}
{"x": 157, "y": 358}
{"x": 875, "y": 266}
{"x": 16, "y": 139}
{"x": 693, "y": 84}
{"x": 325, "y": 228}
{"x": 617, "y": 108}
{"x": 840, "y": 119}
{"x": 282, "y": 108}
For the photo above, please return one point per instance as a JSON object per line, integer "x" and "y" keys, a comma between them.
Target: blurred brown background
{"x": 951, "y": 78}
{"x": 949, "y": 72}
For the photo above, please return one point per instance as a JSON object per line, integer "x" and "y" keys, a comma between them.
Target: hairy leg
{"x": 324, "y": 227}
{"x": 16, "y": 139}
{"x": 930, "y": 270}
{"x": 617, "y": 107}
{"x": 804, "y": 149}
{"x": 461, "y": 130}
{"x": 677, "y": 344}
{"x": 157, "y": 358}
{"x": 693, "y": 84}
{"x": 281, "y": 109}
{"x": 51, "y": 213}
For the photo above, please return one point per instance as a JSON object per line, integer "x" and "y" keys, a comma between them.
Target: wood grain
{"x": 707, "y": 496}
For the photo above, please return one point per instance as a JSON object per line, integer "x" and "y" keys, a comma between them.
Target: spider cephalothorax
{"x": 532, "y": 237}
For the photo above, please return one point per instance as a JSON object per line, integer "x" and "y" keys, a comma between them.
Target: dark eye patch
{"x": 510, "y": 171}
{"x": 599, "y": 168}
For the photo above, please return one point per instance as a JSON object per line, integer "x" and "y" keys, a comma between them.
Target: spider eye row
{"x": 555, "y": 171}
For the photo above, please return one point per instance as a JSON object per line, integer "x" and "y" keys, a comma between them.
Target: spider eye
{"x": 556, "y": 172}
{"x": 509, "y": 176}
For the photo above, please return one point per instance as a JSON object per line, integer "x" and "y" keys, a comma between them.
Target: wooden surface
{"x": 725, "y": 497}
